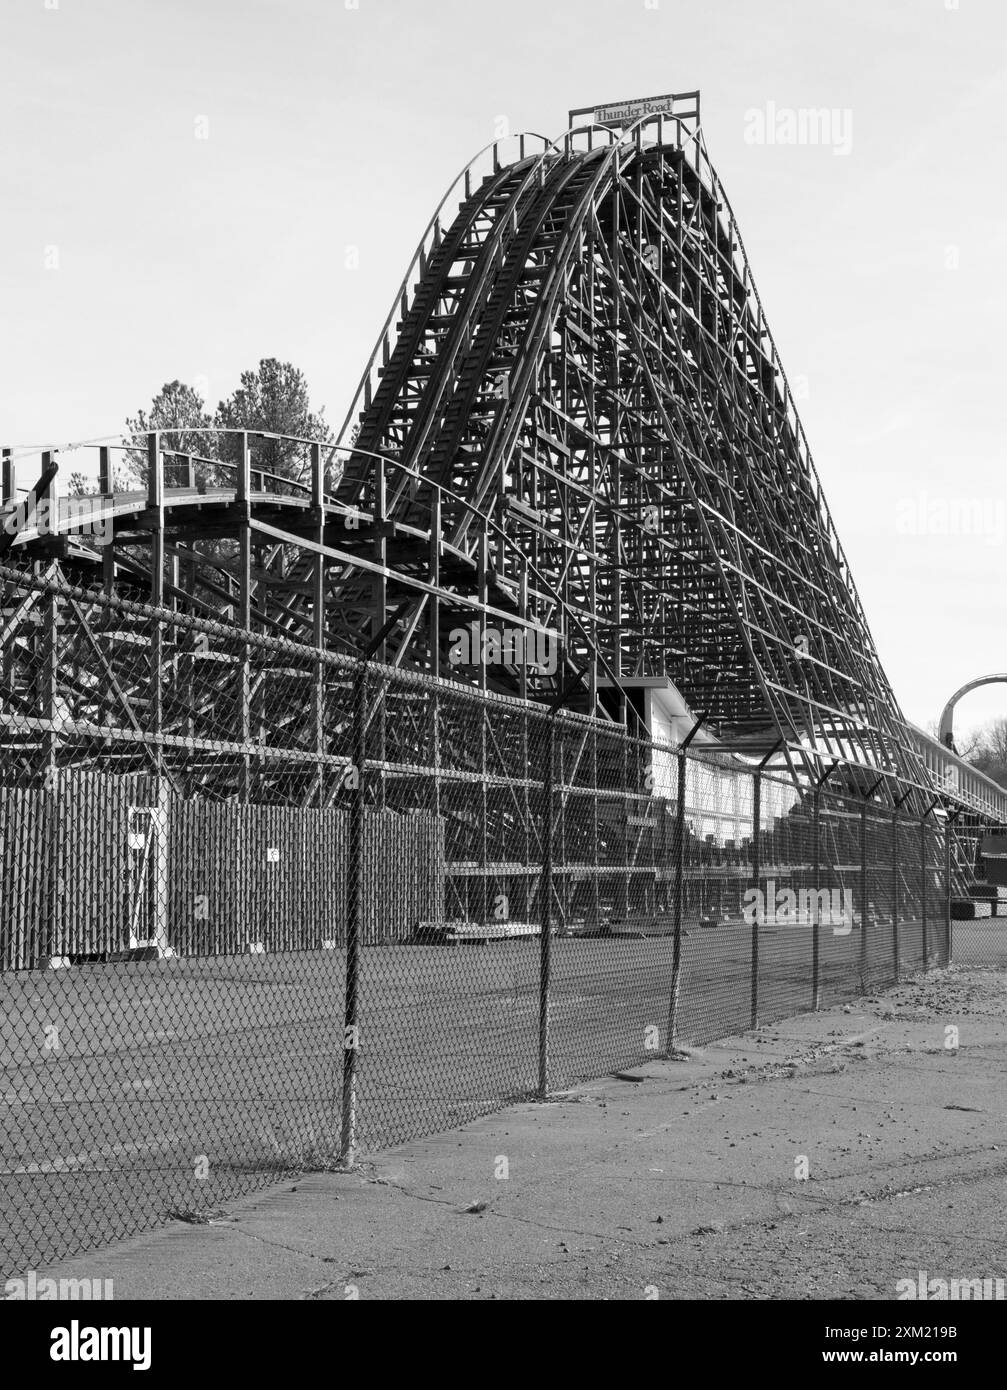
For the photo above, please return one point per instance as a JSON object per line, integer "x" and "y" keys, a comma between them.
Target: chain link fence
{"x": 977, "y": 850}
{"x": 266, "y": 908}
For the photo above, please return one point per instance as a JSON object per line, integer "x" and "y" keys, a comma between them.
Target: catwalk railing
{"x": 265, "y": 908}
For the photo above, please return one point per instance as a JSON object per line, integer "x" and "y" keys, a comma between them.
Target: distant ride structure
{"x": 945, "y": 732}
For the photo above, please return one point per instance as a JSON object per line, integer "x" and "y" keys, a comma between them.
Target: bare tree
{"x": 990, "y": 751}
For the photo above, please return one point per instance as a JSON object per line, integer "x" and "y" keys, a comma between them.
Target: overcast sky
{"x": 180, "y": 181}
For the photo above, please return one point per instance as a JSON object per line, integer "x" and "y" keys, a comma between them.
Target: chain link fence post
{"x": 923, "y": 887}
{"x": 816, "y": 926}
{"x": 676, "y": 962}
{"x": 949, "y": 830}
{"x": 51, "y": 945}
{"x": 896, "y": 963}
{"x": 756, "y": 871}
{"x": 354, "y": 910}
{"x": 864, "y": 964}
{"x": 545, "y": 908}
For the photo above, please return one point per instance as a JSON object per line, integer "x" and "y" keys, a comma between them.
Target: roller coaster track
{"x": 575, "y": 423}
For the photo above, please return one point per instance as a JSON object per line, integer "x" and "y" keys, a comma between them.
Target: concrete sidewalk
{"x": 678, "y": 1179}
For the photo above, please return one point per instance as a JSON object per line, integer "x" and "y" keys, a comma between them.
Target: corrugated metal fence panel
{"x": 237, "y": 875}
{"x": 66, "y": 863}
{"x": 24, "y": 904}
{"x": 276, "y": 876}
{"x": 403, "y": 859}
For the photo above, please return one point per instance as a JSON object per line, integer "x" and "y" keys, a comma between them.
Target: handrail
{"x": 421, "y": 251}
